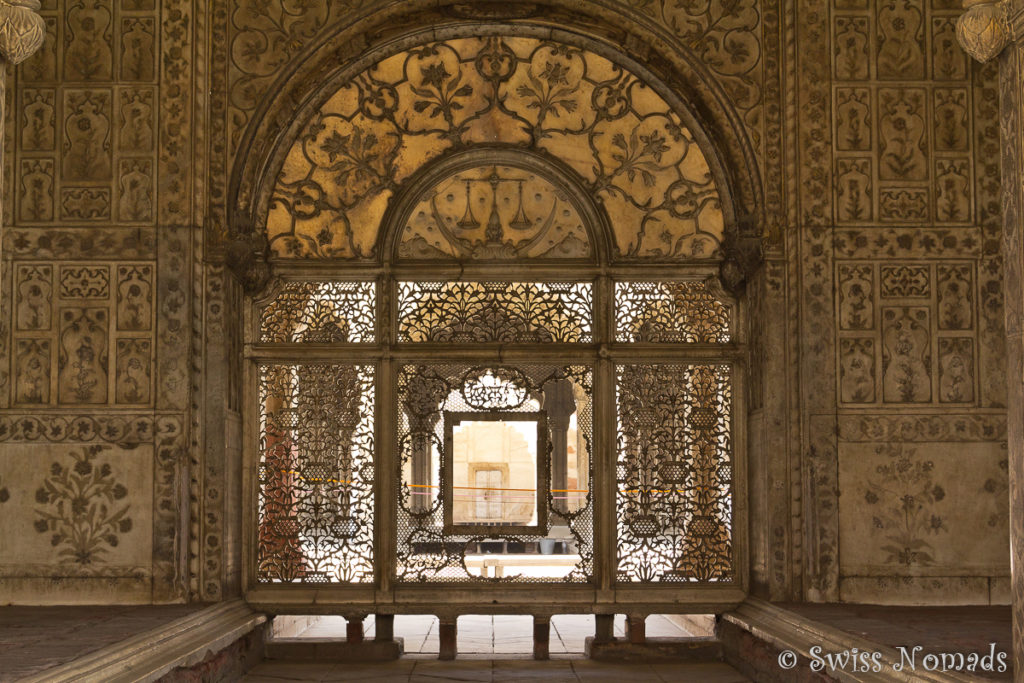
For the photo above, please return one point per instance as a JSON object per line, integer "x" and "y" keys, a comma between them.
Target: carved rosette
{"x": 983, "y": 30}
{"x": 21, "y": 29}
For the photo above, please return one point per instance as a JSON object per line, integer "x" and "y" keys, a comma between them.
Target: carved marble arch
{"x": 632, "y": 144}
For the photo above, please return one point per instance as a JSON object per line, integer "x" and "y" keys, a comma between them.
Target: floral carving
{"x": 904, "y": 497}
{"x": 630, "y": 149}
{"x": 82, "y": 509}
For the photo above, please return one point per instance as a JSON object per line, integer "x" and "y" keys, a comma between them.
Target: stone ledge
{"x": 334, "y": 649}
{"x": 655, "y": 650}
{"x": 152, "y": 654}
{"x": 781, "y": 629}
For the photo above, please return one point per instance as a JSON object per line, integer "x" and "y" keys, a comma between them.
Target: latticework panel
{"x": 505, "y": 312}
{"x": 428, "y": 550}
{"x": 674, "y": 473}
{"x": 321, "y": 312}
{"x": 672, "y": 312}
{"x": 316, "y": 473}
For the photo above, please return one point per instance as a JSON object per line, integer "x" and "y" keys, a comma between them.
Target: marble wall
{"x": 865, "y": 147}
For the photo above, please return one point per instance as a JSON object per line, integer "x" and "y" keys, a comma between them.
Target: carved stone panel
{"x": 913, "y": 353}
{"x": 82, "y": 333}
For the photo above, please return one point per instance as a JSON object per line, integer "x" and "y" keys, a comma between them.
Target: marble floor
{"x": 497, "y": 634}
{"x": 429, "y": 670}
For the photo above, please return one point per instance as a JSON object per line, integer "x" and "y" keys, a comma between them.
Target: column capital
{"x": 21, "y": 29}
{"x": 983, "y": 30}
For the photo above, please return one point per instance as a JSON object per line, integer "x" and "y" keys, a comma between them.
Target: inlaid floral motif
{"x": 903, "y": 496}
{"x": 82, "y": 509}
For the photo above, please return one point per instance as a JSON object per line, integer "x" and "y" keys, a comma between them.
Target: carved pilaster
{"x": 983, "y": 30}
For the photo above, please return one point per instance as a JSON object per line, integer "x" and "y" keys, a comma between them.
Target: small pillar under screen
{"x": 604, "y": 628}
{"x": 447, "y": 635}
{"x": 636, "y": 629}
{"x": 384, "y": 627}
{"x": 354, "y": 629}
{"x": 541, "y": 637}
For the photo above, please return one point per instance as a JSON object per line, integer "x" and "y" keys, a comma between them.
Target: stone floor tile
{"x": 704, "y": 672}
{"x": 280, "y": 670}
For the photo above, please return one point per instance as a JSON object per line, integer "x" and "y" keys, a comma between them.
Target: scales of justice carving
{"x": 497, "y": 212}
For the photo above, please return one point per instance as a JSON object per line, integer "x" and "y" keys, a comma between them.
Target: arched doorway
{"x": 495, "y": 353}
